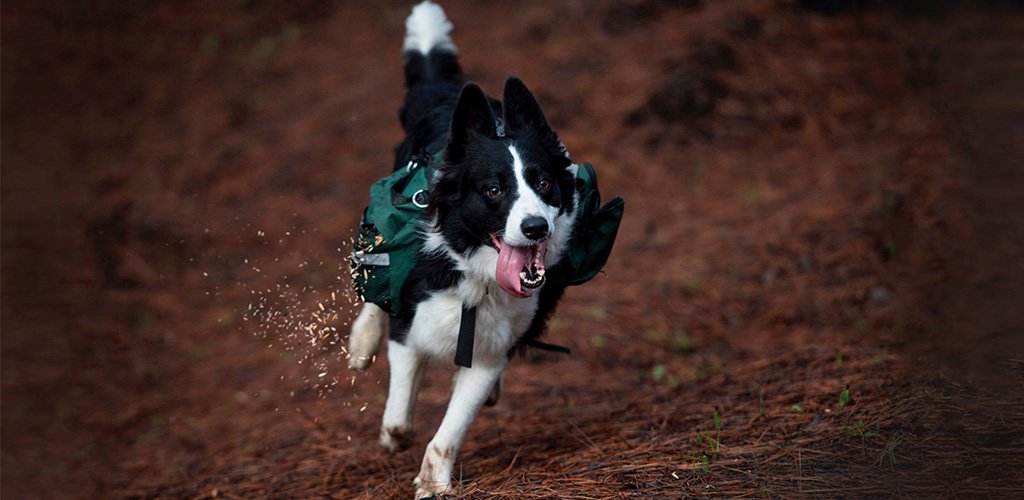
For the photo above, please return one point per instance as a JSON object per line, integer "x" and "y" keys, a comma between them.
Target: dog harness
{"x": 390, "y": 235}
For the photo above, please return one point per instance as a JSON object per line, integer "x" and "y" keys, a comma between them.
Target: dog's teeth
{"x": 540, "y": 273}
{"x": 522, "y": 275}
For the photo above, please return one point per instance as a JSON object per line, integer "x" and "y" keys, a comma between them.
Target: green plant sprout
{"x": 844, "y": 397}
{"x": 714, "y": 444}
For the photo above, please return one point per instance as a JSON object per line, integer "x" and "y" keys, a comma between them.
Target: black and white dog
{"x": 502, "y": 208}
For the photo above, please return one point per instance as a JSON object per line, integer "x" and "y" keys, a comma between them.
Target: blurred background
{"x": 816, "y": 289}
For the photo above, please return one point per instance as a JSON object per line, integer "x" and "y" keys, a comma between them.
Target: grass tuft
{"x": 889, "y": 452}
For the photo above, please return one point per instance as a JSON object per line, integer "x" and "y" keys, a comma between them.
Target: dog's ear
{"x": 472, "y": 118}
{"x": 522, "y": 112}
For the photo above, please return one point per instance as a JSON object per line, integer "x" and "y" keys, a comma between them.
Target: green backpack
{"x": 389, "y": 235}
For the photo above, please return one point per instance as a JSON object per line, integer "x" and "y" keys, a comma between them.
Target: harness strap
{"x": 544, "y": 346}
{"x": 467, "y": 329}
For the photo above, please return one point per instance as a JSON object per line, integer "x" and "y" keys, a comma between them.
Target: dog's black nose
{"x": 534, "y": 227}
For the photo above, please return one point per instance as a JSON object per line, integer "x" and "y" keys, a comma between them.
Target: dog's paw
{"x": 396, "y": 438}
{"x": 426, "y": 495}
{"x": 425, "y": 489}
{"x": 434, "y": 479}
{"x": 359, "y": 363}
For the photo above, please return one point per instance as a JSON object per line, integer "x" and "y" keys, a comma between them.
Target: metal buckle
{"x": 422, "y": 203}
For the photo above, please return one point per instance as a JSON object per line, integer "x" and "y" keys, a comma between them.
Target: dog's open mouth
{"x": 520, "y": 269}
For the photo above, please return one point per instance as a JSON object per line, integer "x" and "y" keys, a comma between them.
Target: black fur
{"x": 438, "y": 66}
{"x": 425, "y": 116}
{"x": 461, "y": 184}
{"x": 432, "y": 272}
{"x": 439, "y": 110}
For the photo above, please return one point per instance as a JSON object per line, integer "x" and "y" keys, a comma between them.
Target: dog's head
{"x": 513, "y": 193}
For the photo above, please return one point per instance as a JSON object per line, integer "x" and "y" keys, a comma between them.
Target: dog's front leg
{"x": 472, "y": 385}
{"x": 407, "y": 367}
{"x": 367, "y": 330}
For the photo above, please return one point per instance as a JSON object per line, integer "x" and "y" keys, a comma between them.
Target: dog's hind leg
{"x": 407, "y": 367}
{"x": 367, "y": 330}
{"x": 492, "y": 398}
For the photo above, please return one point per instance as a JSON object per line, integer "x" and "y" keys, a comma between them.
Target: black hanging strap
{"x": 467, "y": 328}
{"x": 544, "y": 346}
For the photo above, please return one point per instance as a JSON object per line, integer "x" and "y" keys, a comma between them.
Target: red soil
{"x": 816, "y": 206}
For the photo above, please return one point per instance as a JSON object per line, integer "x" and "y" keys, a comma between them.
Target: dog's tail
{"x": 428, "y": 53}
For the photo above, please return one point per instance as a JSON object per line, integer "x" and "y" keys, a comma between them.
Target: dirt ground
{"x": 815, "y": 291}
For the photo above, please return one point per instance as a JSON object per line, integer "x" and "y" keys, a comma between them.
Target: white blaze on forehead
{"x": 527, "y": 204}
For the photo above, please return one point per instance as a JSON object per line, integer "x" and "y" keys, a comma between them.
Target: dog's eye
{"x": 492, "y": 192}
{"x": 544, "y": 185}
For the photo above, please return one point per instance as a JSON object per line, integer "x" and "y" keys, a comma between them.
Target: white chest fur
{"x": 500, "y": 318}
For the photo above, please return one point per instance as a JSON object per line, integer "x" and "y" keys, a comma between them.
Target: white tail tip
{"x": 428, "y": 28}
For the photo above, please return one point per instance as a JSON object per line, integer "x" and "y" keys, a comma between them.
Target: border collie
{"x": 502, "y": 208}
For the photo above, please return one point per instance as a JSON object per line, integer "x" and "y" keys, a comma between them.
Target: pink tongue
{"x": 510, "y": 263}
